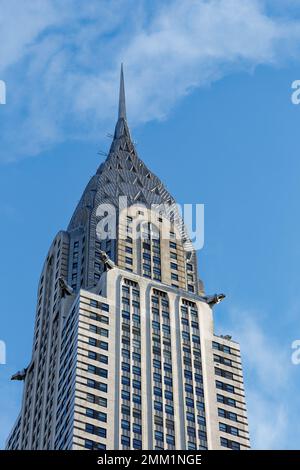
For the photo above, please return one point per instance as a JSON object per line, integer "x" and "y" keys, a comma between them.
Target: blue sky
{"x": 209, "y": 104}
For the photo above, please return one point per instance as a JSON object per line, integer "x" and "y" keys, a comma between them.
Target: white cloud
{"x": 269, "y": 380}
{"x": 61, "y": 60}
{"x": 268, "y": 419}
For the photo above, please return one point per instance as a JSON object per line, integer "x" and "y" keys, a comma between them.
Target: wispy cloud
{"x": 61, "y": 60}
{"x": 269, "y": 381}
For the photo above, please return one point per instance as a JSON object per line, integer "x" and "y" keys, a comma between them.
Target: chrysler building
{"x": 124, "y": 351}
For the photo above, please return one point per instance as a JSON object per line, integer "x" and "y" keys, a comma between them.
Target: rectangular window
{"x": 103, "y": 345}
{"x": 105, "y": 307}
{"x": 103, "y": 373}
{"x": 223, "y": 386}
{"x": 224, "y": 373}
{"x": 169, "y": 409}
{"x": 229, "y": 444}
{"x": 125, "y": 395}
{"x": 125, "y": 424}
{"x": 92, "y": 341}
{"x": 159, "y": 436}
{"x": 137, "y": 428}
{"x": 137, "y": 444}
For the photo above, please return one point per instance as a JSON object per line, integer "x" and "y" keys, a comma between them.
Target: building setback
{"x": 124, "y": 351}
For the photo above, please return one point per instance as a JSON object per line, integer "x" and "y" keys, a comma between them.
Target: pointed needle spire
{"x": 122, "y": 104}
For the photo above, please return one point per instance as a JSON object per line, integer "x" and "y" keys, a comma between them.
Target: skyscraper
{"x": 124, "y": 351}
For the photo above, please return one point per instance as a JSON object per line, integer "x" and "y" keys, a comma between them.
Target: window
{"x": 128, "y": 260}
{"x": 224, "y": 373}
{"x": 88, "y": 444}
{"x": 221, "y": 347}
{"x": 168, "y": 381}
{"x": 137, "y": 413}
{"x": 226, "y": 400}
{"x": 103, "y": 359}
{"x": 89, "y": 428}
{"x": 136, "y": 399}
{"x": 125, "y": 410}
{"x": 185, "y": 336}
{"x": 223, "y": 386}
{"x": 157, "y": 377}
{"x": 103, "y": 373}
{"x": 174, "y": 276}
{"x": 102, "y": 387}
{"x": 136, "y": 370}
{"x": 137, "y": 444}
{"x": 191, "y": 431}
{"x": 200, "y": 406}
{"x": 159, "y": 436}
{"x": 103, "y": 332}
{"x": 227, "y": 414}
{"x": 229, "y": 429}
{"x": 189, "y": 402}
{"x": 92, "y": 369}
{"x": 125, "y": 424}
{"x": 102, "y": 402}
{"x": 125, "y": 441}
{"x": 229, "y": 444}
{"x": 192, "y": 446}
{"x": 125, "y": 380}
{"x": 136, "y": 384}
{"x": 90, "y": 398}
{"x": 158, "y": 406}
{"x": 125, "y": 395}
{"x": 170, "y": 439}
{"x": 169, "y": 409}
{"x": 137, "y": 428}
{"x": 103, "y": 345}
{"x": 190, "y": 417}
{"x": 89, "y": 412}
{"x": 196, "y": 339}
{"x": 201, "y": 420}
{"x": 199, "y": 392}
{"x": 125, "y": 367}
{"x": 105, "y": 307}
{"x": 173, "y": 245}
{"x": 174, "y": 266}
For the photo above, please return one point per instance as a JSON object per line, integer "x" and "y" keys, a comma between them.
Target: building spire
{"x": 122, "y": 103}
